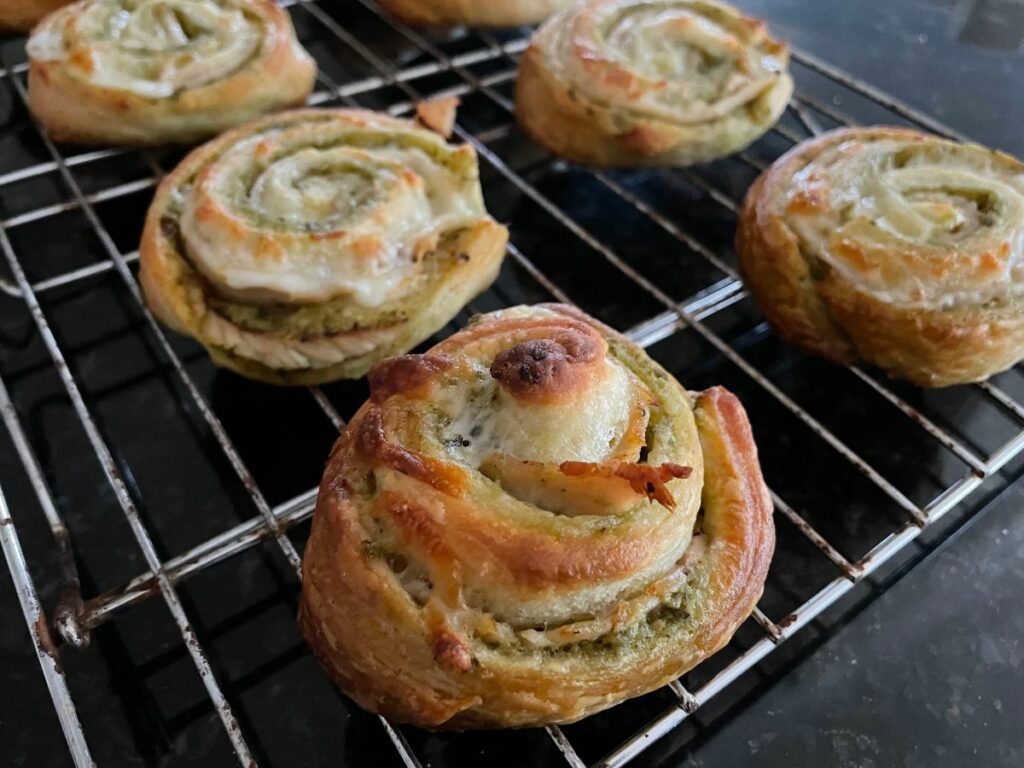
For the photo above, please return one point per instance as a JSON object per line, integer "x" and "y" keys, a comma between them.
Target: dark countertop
{"x": 930, "y": 672}
{"x": 960, "y": 61}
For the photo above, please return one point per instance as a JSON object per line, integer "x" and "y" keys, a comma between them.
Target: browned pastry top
{"x": 530, "y": 522}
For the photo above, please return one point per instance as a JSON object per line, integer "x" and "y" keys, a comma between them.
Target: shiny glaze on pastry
{"x": 528, "y": 524}
{"x": 651, "y": 82}
{"x": 163, "y": 71}
{"x": 304, "y": 246}
{"x": 895, "y": 247}
{"x": 473, "y": 13}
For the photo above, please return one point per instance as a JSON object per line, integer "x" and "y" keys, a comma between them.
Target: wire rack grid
{"x": 647, "y": 251}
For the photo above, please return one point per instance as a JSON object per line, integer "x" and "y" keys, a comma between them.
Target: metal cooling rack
{"x": 687, "y": 313}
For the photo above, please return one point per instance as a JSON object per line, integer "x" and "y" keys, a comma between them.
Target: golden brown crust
{"x": 423, "y": 600}
{"x": 438, "y": 115}
{"x": 816, "y": 307}
{"x": 473, "y": 13}
{"x": 582, "y": 95}
{"x": 442, "y": 278}
{"x": 72, "y": 106}
{"x": 22, "y": 15}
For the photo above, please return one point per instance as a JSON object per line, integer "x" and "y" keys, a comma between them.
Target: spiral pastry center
{"x": 915, "y": 224}
{"x": 155, "y": 48}
{"x": 544, "y": 393}
{"x": 533, "y": 411}
{"x": 315, "y": 212}
{"x": 681, "y": 61}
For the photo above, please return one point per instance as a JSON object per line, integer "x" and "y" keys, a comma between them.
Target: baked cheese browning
{"x": 485, "y": 535}
{"x": 163, "y": 71}
{"x": 628, "y": 82}
{"x": 891, "y": 246}
{"x": 307, "y": 245}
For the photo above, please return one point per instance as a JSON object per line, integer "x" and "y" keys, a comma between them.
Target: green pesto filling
{"x": 307, "y": 322}
{"x": 661, "y": 437}
{"x": 459, "y": 163}
{"x": 664, "y": 621}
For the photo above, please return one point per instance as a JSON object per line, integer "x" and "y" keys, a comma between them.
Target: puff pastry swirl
{"x": 474, "y": 13}
{"x": 651, "y": 82}
{"x": 528, "y": 524}
{"x": 163, "y": 71}
{"x": 21, "y": 15}
{"x": 304, "y": 246}
{"x": 893, "y": 247}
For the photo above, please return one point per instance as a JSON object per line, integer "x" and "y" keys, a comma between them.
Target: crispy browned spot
{"x": 83, "y": 59}
{"x": 548, "y": 370}
{"x": 643, "y": 478}
{"x": 406, "y": 375}
{"x": 451, "y": 652}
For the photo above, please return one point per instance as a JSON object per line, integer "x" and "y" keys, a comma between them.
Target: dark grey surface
{"x": 141, "y": 701}
{"x": 960, "y": 61}
{"x": 931, "y": 673}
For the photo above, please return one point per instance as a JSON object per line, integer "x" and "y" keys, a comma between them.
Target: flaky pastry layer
{"x": 894, "y": 247}
{"x": 635, "y": 82}
{"x": 163, "y": 71}
{"x": 528, "y": 524}
{"x": 304, "y": 246}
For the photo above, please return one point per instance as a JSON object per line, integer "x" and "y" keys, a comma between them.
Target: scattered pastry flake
{"x": 438, "y": 115}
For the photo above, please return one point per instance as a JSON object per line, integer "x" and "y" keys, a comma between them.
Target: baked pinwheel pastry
{"x": 304, "y": 246}
{"x": 163, "y": 71}
{"x": 649, "y": 82}
{"x": 21, "y": 15}
{"x": 474, "y": 13}
{"x": 528, "y": 524}
{"x": 893, "y": 247}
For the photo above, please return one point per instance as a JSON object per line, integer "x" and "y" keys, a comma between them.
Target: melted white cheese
{"x": 914, "y": 225}
{"x": 290, "y": 218}
{"x": 688, "y": 65}
{"x": 153, "y": 48}
{"x": 486, "y": 419}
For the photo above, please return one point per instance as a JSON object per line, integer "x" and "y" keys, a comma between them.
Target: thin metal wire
{"x": 951, "y": 443}
{"x": 214, "y": 423}
{"x": 498, "y": 164}
{"x": 35, "y": 618}
{"x": 876, "y": 95}
{"x": 274, "y": 522}
{"x": 120, "y": 489}
{"x": 70, "y": 603}
{"x": 122, "y": 190}
{"x": 231, "y": 542}
{"x": 565, "y": 747}
{"x": 1003, "y": 399}
{"x": 226, "y": 445}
